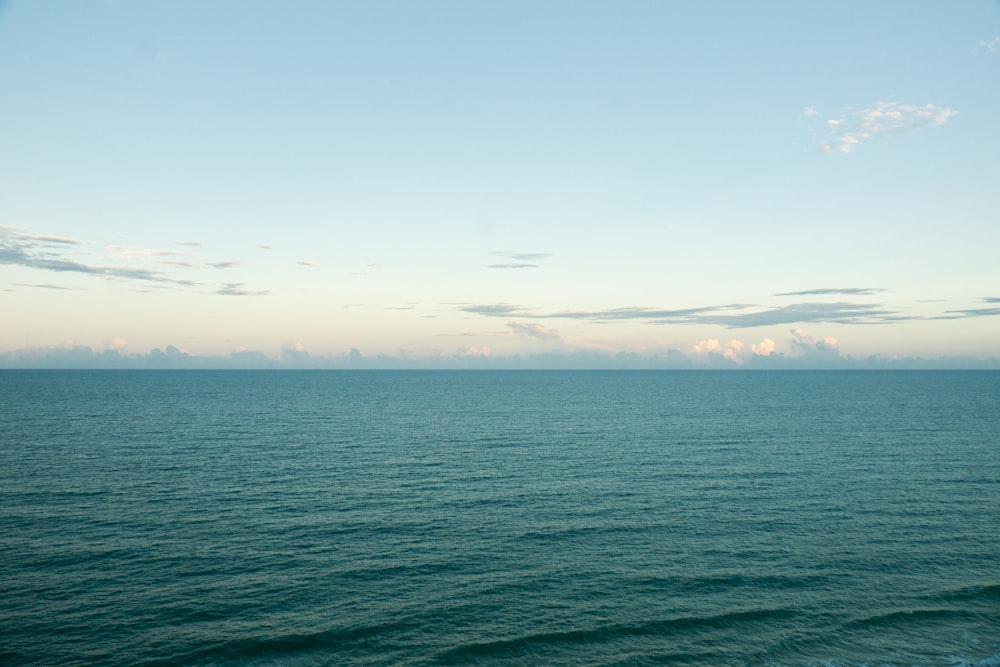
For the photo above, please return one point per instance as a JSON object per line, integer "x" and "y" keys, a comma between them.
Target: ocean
{"x": 698, "y": 518}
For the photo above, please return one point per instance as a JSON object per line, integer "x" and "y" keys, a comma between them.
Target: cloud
{"x": 46, "y": 286}
{"x": 806, "y": 344}
{"x": 53, "y": 253}
{"x": 62, "y": 240}
{"x": 46, "y": 253}
{"x": 763, "y": 349}
{"x": 496, "y": 310}
{"x": 676, "y": 315}
{"x": 523, "y": 256}
{"x": 854, "y": 291}
{"x": 19, "y": 255}
{"x": 117, "y": 344}
{"x": 236, "y": 289}
{"x": 187, "y": 243}
{"x": 295, "y": 352}
{"x": 533, "y": 331}
{"x": 885, "y": 118}
{"x": 127, "y": 252}
{"x": 810, "y": 111}
{"x": 525, "y": 260}
{"x": 840, "y": 313}
{"x": 712, "y": 347}
{"x": 988, "y": 45}
{"x": 306, "y": 262}
{"x": 972, "y": 312}
{"x": 481, "y": 351}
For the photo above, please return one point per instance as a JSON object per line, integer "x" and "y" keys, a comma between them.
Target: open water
{"x": 535, "y": 518}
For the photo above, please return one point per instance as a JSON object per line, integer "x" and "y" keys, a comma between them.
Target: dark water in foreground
{"x": 576, "y": 518}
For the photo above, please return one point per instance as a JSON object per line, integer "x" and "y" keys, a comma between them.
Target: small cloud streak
{"x": 236, "y": 289}
{"x": 853, "y": 291}
{"x": 47, "y": 286}
{"x": 305, "y": 262}
{"x": 523, "y": 260}
{"x": 187, "y": 243}
{"x": 885, "y": 118}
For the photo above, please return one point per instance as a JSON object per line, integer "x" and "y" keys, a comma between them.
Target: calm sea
{"x": 535, "y": 518}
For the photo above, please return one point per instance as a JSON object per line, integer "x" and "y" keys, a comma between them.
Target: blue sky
{"x": 713, "y": 183}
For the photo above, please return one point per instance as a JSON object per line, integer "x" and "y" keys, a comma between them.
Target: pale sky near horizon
{"x": 497, "y": 178}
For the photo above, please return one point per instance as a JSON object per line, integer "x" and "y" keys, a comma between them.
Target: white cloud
{"x": 763, "y": 349}
{"x": 810, "y": 111}
{"x": 533, "y": 330}
{"x": 988, "y": 45}
{"x": 711, "y": 346}
{"x": 885, "y": 118}
{"x": 806, "y": 344}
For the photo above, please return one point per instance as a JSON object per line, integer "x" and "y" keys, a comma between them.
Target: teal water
{"x": 450, "y": 518}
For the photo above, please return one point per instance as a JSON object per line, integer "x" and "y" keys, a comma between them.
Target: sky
{"x": 455, "y": 183}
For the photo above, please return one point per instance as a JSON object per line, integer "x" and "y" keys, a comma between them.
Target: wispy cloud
{"x": 61, "y": 240}
{"x": 988, "y": 45}
{"x": 721, "y": 315}
{"x": 35, "y": 252}
{"x": 127, "y": 252}
{"x": 837, "y": 313}
{"x": 636, "y": 313}
{"x": 187, "y": 243}
{"x": 46, "y": 286}
{"x": 236, "y": 289}
{"x": 523, "y": 256}
{"x": 305, "y": 262}
{"x": 854, "y": 291}
{"x": 60, "y": 254}
{"x": 496, "y": 310}
{"x": 973, "y": 312}
{"x": 885, "y": 118}
{"x": 523, "y": 260}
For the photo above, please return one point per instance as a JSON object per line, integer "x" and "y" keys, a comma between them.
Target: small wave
{"x": 905, "y": 616}
{"x": 986, "y": 592}
{"x": 273, "y": 648}
{"x": 607, "y": 633}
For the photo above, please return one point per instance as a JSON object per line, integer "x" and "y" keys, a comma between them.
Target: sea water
{"x": 536, "y": 518}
